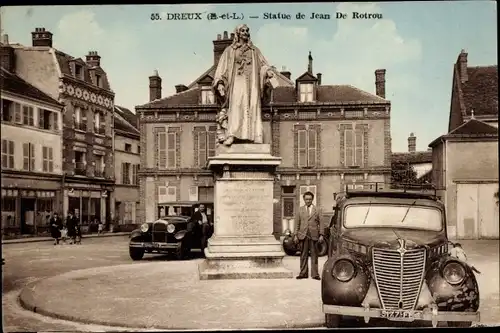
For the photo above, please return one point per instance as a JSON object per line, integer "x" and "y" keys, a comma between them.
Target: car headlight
{"x": 454, "y": 272}
{"x": 170, "y": 228}
{"x": 144, "y": 227}
{"x": 288, "y": 232}
{"x": 343, "y": 270}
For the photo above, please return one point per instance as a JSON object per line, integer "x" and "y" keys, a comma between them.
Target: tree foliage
{"x": 403, "y": 173}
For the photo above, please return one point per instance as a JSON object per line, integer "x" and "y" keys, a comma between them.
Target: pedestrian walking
{"x": 100, "y": 228}
{"x": 71, "y": 223}
{"x": 308, "y": 231}
{"x": 56, "y": 225}
{"x": 78, "y": 234}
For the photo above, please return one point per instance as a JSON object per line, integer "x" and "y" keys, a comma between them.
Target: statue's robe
{"x": 243, "y": 69}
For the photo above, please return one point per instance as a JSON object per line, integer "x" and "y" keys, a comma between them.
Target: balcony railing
{"x": 98, "y": 173}
{"x": 80, "y": 169}
{"x": 82, "y": 126}
{"x": 100, "y": 130}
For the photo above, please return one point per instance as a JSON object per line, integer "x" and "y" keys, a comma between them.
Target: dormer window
{"x": 78, "y": 71}
{"x": 207, "y": 95}
{"x": 98, "y": 81}
{"x": 306, "y": 92}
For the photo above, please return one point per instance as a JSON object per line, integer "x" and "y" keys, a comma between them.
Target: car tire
{"x": 459, "y": 324}
{"x": 135, "y": 253}
{"x": 322, "y": 248}
{"x": 182, "y": 252}
{"x": 332, "y": 320}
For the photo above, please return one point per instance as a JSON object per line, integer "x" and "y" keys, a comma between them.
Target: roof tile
{"x": 480, "y": 92}
{"x": 12, "y": 83}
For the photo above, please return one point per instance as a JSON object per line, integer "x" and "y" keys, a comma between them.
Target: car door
{"x": 333, "y": 234}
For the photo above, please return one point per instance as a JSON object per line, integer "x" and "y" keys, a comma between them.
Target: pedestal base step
{"x": 243, "y": 268}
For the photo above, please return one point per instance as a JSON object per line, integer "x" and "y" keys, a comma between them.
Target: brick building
{"x": 87, "y": 153}
{"x": 127, "y": 160}
{"x": 327, "y": 135}
{"x": 465, "y": 160}
{"x": 31, "y": 151}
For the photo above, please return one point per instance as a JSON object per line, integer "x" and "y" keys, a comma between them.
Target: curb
{"x": 50, "y": 239}
{"x": 27, "y": 302}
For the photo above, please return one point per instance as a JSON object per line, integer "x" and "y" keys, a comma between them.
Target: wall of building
{"x": 39, "y": 138}
{"x": 39, "y": 68}
{"x": 467, "y": 161}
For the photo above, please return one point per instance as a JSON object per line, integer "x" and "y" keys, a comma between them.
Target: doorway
{"x": 27, "y": 216}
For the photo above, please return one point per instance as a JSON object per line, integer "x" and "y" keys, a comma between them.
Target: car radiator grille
{"x": 159, "y": 232}
{"x": 398, "y": 277}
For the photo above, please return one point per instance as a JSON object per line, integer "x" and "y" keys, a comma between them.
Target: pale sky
{"x": 417, "y": 42}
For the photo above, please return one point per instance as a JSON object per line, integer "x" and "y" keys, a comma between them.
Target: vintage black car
{"x": 291, "y": 248}
{"x": 389, "y": 257}
{"x": 167, "y": 235}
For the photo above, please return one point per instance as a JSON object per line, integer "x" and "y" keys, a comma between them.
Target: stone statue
{"x": 241, "y": 79}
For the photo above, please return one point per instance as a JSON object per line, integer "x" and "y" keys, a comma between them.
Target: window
{"x": 78, "y": 71}
{"x": 135, "y": 176}
{"x": 98, "y": 80}
{"x": 206, "y": 146}
{"x": 354, "y": 147}
{"x": 28, "y": 156}
{"x": 48, "y": 159}
{"x": 28, "y": 115}
{"x": 80, "y": 119}
{"x": 306, "y": 92}
{"x": 207, "y": 96}
{"x": 18, "y": 115}
{"x": 48, "y": 120}
{"x": 288, "y": 207}
{"x": 126, "y": 173}
{"x": 80, "y": 165}
{"x": 307, "y": 148}
{"x": 7, "y": 154}
{"x": 99, "y": 123}
{"x": 167, "y": 153}
{"x": 138, "y": 149}
{"x": 7, "y": 110}
{"x": 128, "y": 147}
{"x": 99, "y": 166}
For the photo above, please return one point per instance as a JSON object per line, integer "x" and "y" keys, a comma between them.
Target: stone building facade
{"x": 328, "y": 136}
{"x": 127, "y": 162}
{"x": 31, "y": 152}
{"x": 87, "y": 125}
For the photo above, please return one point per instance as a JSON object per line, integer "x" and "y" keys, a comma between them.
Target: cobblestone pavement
{"x": 30, "y": 262}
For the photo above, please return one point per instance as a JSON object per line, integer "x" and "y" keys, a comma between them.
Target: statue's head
{"x": 242, "y": 33}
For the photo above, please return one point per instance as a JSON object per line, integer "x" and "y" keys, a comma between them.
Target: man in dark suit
{"x": 56, "y": 225}
{"x": 308, "y": 231}
{"x": 200, "y": 221}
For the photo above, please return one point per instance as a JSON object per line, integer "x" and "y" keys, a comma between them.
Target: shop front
{"x": 90, "y": 203}
{"x": 28, "y": 204}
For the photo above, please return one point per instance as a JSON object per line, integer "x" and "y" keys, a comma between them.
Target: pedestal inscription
{"x": 246, "y": 205}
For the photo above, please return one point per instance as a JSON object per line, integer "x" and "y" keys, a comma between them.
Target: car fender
{"x": 136, "y": 235}
{"x": 181, "y": 234}
{"x": 350, "y": 293}
{"x": 461, "y": 297}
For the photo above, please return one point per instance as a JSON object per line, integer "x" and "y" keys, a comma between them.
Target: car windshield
{"x": 393, "y": 216}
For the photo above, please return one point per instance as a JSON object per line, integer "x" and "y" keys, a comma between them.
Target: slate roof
{"x": 472, "y": 128}
{"x": 413, "y": 158}
{"x": 330, "y": 94}
{"x": 125, "y": 120}
{"x": 12, "y": 83}
{"x": 480, "y": 91}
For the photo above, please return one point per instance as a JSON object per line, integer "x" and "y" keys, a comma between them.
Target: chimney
{"x": 93, "y": 59}
{"x": 285, "y": 73}
{"x": 41, "y": 37}
{"x": 310, "y": 65}
{"x": 220, "y": 45}
{"x": 154, "y": 86}
{"x": 319, "y": 78}
{"x": 180, "y": 88}
{"x": 412, "y": 143}
{"x": 380, "y": 82}
{"x": 7, "y": 56}
{"x": 462, "y": 66}
{"x": 5, "y": 39}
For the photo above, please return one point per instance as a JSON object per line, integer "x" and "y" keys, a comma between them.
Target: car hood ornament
{"x": 402, "y": 246}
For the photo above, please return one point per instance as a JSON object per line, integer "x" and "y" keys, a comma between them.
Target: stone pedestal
{"x": 243, "y": 245}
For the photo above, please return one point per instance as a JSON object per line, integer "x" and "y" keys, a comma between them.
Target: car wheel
{"x": 459, "y": 324}
{"x": 322, "y": 248}
{"x": 135, "y": 253}
{"x": 182, "y": 252}
{"x": 332, "y": 320}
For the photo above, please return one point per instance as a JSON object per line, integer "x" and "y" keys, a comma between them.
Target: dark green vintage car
{"x": 168, "y": 235}
{"x": 389, "y": 257}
